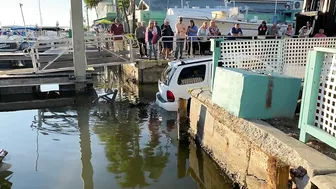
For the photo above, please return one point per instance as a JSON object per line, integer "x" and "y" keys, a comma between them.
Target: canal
{"x": 127, "y": 145}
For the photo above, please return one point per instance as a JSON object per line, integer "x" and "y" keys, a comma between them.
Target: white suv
{"x": 180, "y": 76}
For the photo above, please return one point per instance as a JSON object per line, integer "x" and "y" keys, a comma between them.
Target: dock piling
{"x": 182, "y": 119}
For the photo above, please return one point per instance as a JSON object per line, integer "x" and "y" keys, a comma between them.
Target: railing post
{"x": 191, "y": 47}
{"x": 310, "y": 92}
{"x": 216, "y": 48}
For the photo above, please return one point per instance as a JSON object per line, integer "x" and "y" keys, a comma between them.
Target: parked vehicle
{"x": 180, "y": 76}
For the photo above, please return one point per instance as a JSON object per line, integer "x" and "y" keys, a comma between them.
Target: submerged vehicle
{"x": 180, "y": 76}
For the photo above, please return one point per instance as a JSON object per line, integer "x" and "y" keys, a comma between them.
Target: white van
{"x": 180, "y": 76}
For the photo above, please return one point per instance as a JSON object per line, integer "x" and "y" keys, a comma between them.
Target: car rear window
{"x": 191, "y": 75}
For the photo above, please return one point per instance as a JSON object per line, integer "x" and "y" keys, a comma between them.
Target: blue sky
{"x": 52, "y": 11}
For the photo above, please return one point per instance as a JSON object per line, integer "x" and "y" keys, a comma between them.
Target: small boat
{"x": 4, "y": 166}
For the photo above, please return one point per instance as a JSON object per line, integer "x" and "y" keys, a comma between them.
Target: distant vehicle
{"x": 180, "y": 76}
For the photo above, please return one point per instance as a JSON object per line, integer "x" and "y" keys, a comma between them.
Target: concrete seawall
{"x": 144, "y": 72}
{"x": 250, "y": 150}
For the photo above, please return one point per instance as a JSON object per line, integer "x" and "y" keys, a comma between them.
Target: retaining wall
{"x": 248, "y": 149}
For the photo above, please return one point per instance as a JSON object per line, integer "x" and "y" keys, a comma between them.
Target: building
{"x": 106, "y": 9}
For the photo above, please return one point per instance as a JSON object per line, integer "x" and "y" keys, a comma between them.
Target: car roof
{"x": 190, "y": 61}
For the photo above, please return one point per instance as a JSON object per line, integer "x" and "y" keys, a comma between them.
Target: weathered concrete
{"x": 244, "y": 147}
{"x": 144, "y": 72}
{"x": 325, "y": 181}
{"x": 204, "y": 171}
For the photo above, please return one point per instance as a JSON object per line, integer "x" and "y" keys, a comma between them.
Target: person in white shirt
{"x": 305, "y": 31}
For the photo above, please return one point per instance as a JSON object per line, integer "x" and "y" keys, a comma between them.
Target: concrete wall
{"x": 246, "y": 149}
{"x": 143, "y": 72}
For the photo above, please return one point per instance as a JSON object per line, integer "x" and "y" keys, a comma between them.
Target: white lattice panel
{"x": 326, "y": 103}
{"x": 295, "y": 53}
{"x": 260, "y": 55}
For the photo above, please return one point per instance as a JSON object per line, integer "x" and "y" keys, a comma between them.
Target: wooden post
{"x": 277, "y": 174}
{"x": 182, "y": 119}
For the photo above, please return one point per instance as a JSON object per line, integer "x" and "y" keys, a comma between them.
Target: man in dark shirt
{"x": 262, "y": 29}
{"x": 117, "y": 29}
{"x": 236, "y": 31}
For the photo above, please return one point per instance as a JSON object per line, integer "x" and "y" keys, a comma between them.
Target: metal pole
{"x": 24, "y": 22}
{"x": 41, "y": 21}
{"x": 182, "y": 4}
{"x": 79, "y": 55}
{"x": 275, "y": 7}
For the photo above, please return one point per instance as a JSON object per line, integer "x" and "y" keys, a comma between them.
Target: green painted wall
{"x": 158, "y": 16}
{"x": 245, "y": 93}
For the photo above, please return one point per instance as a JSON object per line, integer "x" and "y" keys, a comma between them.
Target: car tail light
{"x": 170, "y": 96}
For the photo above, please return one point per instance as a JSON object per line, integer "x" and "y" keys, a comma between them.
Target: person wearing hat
{"x": 181, "y": 33}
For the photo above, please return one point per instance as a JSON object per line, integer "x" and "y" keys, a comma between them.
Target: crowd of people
{"x": 289, "y": 32}
{"x": 196, "y": 38}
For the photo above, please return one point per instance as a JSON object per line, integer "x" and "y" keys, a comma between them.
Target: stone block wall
{"x": 251, "y": 152}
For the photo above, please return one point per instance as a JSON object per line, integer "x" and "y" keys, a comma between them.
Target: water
{"x": 102, "y": 147}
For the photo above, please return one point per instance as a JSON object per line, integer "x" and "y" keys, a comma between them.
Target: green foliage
{"x": 92, "y": 3}
{"x": 123, "y": 4}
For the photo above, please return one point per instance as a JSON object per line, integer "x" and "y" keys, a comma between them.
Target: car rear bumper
{"x": 168, "y": 106}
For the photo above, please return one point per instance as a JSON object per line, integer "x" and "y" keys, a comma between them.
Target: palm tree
{"x": 92, "y": 4}
{"x": 124, "y": 5}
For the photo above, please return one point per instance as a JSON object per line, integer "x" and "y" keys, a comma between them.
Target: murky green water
{"x": 101, "y": 147}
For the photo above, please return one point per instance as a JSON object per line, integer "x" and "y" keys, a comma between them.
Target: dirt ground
{"x": 290, "y": 127}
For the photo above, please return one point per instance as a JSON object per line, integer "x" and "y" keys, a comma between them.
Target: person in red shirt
{"x": 320, "y": 33}
{"x": 117, "y": 29}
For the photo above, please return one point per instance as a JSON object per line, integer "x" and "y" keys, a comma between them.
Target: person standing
{"x": 274, "y": 30}
{"x": 192, "y": 38}
{"x": 305, "y": 31}
{"x": 289, "y": 32}
{"x": 181, "y": 33}
{"x": 213, "y": 29}
{"x": 320, "y": 34}
{"x": 167, "y": 38}
{"x": 262, "y": 29}
{"x": 236, "y": 31}
{"x": 203, "y": 34}
{"x": 151, "y": 39}
{"x": 140, "y": 36}
{"x": 117, "y": 29}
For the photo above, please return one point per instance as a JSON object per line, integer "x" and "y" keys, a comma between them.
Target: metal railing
{"x": 48, "y": 52}
{"x": 192, "y": 40}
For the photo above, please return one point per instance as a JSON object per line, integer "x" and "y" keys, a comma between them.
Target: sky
{"x": 52, "y": 11}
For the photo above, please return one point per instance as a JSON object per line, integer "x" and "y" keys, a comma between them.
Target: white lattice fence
{"x": 261, "y": 55}
{"x": 295, "y": 53}
{"x": 325, "y": 116}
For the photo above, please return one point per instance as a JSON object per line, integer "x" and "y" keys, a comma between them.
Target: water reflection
{"x": 85, "y": 146}
{"x": 136, "y": 161}
{"x": 4, "y": 180}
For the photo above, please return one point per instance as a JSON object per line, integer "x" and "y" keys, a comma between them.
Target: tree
{"x": 124, "y": 5}
{"x": 92, "y": 4}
